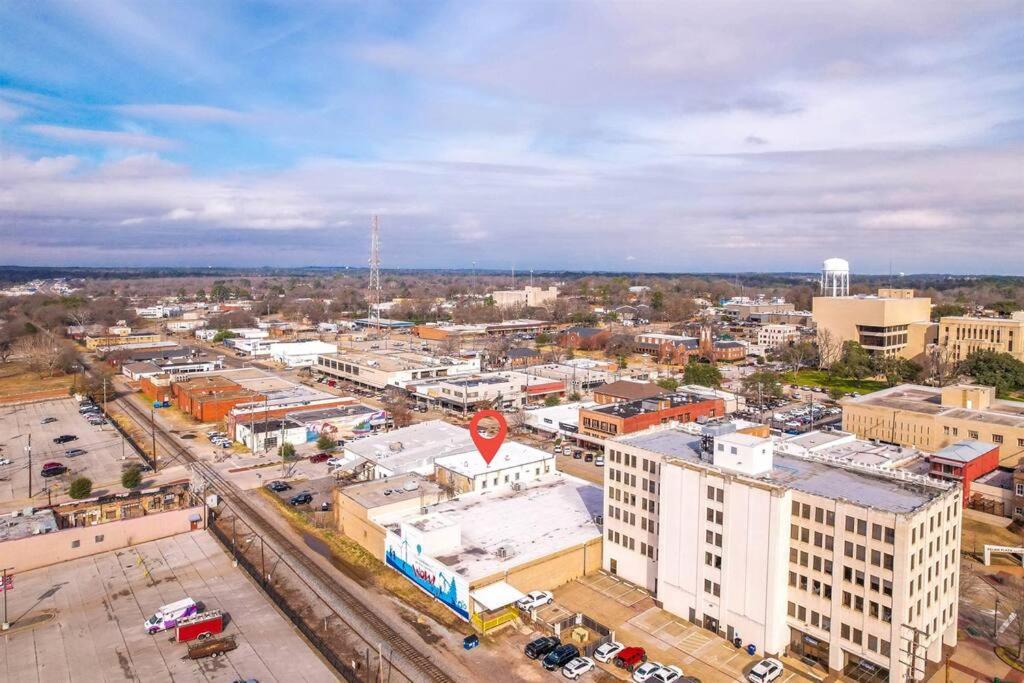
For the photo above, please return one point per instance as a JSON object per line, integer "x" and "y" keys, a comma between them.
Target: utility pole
{"x": 28, "y": 449}
{"x": 104, "y": 399}
{"x": 152, "y": 430}
{"x": 281, "y": 446}
{"x": 5, "y": 587}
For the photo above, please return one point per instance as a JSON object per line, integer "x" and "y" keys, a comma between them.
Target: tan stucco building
{"x": 892, "y": 323}
{"x": 963, "y": 334}
{"x": 931, "y": 418}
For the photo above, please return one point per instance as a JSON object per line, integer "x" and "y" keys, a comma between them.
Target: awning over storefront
{"x": 495, "y": 596}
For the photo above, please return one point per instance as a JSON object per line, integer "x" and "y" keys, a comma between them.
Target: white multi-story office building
{"x": 773, "y": 336}
{"x": 852, "y": 566}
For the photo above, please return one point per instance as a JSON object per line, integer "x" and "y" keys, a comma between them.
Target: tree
{"x": 657, "y": 300}
{"x": 451, "y": 345}
{"x": 896, "y": 370}
{"x": 545, "y": 338}
{"x": 396, "y": 406}
{"x": 40, "y": 353}
{"x": 80, "y": 488}
{"x": 835, "y": 393}
{"x": 943, "y": 310}
{"x": 286, "y": 451}
{"x": 798, "y": 355}
{"x": 761, "y": 385}
{"x": 326, "y": 443}
{"x": 6, "y": 349}
{"x": 994, "y": 369}
{"x": 668, "y": 383}
{"x": 829, "y": 348}
{"x": 704, "y": 374}
{"x": 854, "y": 362}
{"x": 575, "y": 396}
{"x": 552, "y": 401}
{"x": 131, "y": 477}
{"x": 222, "y": 335}
{"x": 939, "y": 366}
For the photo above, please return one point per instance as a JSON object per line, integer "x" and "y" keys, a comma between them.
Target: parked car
{"x": 577, "y": 667}
{"x": 589, "y": 457}
{"x": 169, "y": 615}
{"x": 599, "y": 461}
{"x": 301, "y": 499}
{"x": 557, "y": 450}
{"x": 5, "y": 461}
{"x": 278, "y": 486}
{"x": 74, "y": 452}
{"x": 534, "y": 599}
{"x": 646, "y": 672}
{"x": 560, "y": 656}
{"x": 335, "y": 462}
{"x": 320, "y": 457}
{"x": 765, "y": 671}
{"x": 668, "y": 674}
{"x": 630, "y": 657}
{"x": 538, "y": 648}
{"x": 52, "y": 469}
{"x": 47, "y": 420}
{"x": 606, "y": 653}
{"x": 64, "y": 438}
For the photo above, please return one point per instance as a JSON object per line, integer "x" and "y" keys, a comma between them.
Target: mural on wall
{"x": 360, "y": 424}
{"x": 430, "y": 575}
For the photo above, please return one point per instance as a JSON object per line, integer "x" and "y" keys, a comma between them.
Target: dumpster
{"x": 470, "y": 641}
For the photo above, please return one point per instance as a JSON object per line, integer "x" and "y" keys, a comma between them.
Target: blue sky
{"x": 650, "y": 136}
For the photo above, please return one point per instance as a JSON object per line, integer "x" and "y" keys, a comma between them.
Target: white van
{"x": 168, "y": 616}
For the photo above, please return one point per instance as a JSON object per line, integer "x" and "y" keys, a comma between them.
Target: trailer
{"x": 211, "y": 647}
{"x": 199, "y": 626}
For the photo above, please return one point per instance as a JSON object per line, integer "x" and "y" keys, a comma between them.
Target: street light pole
{"x": 28, "y": 449}
{"x": 3, "y": 585}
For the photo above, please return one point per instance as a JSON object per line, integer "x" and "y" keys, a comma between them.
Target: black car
{"x": 64, "y": 438}
{"x": 278, "y": 486}
{"x": 301, "y": 499}
{"x": 540, "y": 647}
{"x": 560, "y": 656}
{"x": 53, "y": 471}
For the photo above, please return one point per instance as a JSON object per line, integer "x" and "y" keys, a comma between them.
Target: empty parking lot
{"x": 102, "y": 461}
{"x": 91, "y": 614}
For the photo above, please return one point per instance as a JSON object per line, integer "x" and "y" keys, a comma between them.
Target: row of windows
{"x": 600, "y": 426}
{"x": 817, "y": 620}
{"x": 876, "y": 610}
{"x": 973, "y": 434}
{"x": 818, "y": 564}
{"x": 629, "y": 543}
{"x": 856, "y": 636}
{"x": 806, "y": 583}
{"x": 878, "y": 584}
{"x": 821, "y": 515}
{"x": 878, "y": 558}
{"x": 878, "y": 532}
{"x": 804, "y": 535}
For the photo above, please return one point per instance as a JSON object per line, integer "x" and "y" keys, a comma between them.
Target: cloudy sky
{"x": 676, "y": 136}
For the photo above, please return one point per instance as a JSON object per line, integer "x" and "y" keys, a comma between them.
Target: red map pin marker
{"x": 488, "y": 447}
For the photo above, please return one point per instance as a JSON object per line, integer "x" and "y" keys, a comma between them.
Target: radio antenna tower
{"x": 373, "y": 293}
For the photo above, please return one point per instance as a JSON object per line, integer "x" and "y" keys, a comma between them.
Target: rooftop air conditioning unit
{"x": 502, "y": 552}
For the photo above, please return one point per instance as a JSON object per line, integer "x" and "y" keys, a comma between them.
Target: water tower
{"x": 835, "y": 277}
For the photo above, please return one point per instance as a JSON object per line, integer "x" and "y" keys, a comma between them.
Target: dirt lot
{"x": 96, "y": 607}
{"x": 15, "y": 379}
{"x": 102, "y": 461}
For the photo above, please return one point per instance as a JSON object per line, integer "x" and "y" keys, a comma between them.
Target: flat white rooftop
{"x": 504, "y": 529}
{"x": 884, "y": 489}
{"x": 511, "y": 454}
{"x": 413, "y": 448}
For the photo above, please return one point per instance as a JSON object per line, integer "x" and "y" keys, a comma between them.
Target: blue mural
{"x": 427, "y": 573}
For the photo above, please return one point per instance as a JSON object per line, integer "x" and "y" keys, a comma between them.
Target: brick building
{"x": 965, "y": 461}
{"x": 209, "y": 399}
{"x": 625, "y": 418}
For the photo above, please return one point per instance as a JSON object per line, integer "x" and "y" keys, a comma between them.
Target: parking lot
{"x": 615, "y": 588}
{"x": 88, "y": 616}
{"x": 105, "y": 451}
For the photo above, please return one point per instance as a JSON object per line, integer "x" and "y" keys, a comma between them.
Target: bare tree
{"x": 1016, "y": 606}
{"x": 830, "y": 348}
{"x": 451, "y": 345}
{"x": 939, "y": 366}
{"x": 516, "y": 422}
{"x": 396, "y": 405}
{"x": 40, "y": 352}
{"x": 6, "y": 350}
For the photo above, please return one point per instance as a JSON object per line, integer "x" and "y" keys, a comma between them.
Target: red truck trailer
{"x": 202, "y": 625}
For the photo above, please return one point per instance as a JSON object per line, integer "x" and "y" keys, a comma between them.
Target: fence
{"x": 503, "y": 617}
{"x": 316, "y": 620}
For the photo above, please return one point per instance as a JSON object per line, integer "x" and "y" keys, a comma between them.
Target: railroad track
{"x": 424, "y": 665}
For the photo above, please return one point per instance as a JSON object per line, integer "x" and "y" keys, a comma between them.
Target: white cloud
{"x": 183, "y": 112}
{"x": 106, "y": 138}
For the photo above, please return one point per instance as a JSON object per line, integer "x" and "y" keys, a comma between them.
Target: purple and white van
{"x": 168, "y": 616}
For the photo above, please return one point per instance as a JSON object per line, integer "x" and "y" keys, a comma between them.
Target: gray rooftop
{"x": 23, "y": 526}
{"x": 378, "y": 492}
{"x": 965, "y": 451}
{"x": 873, "y": 489}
